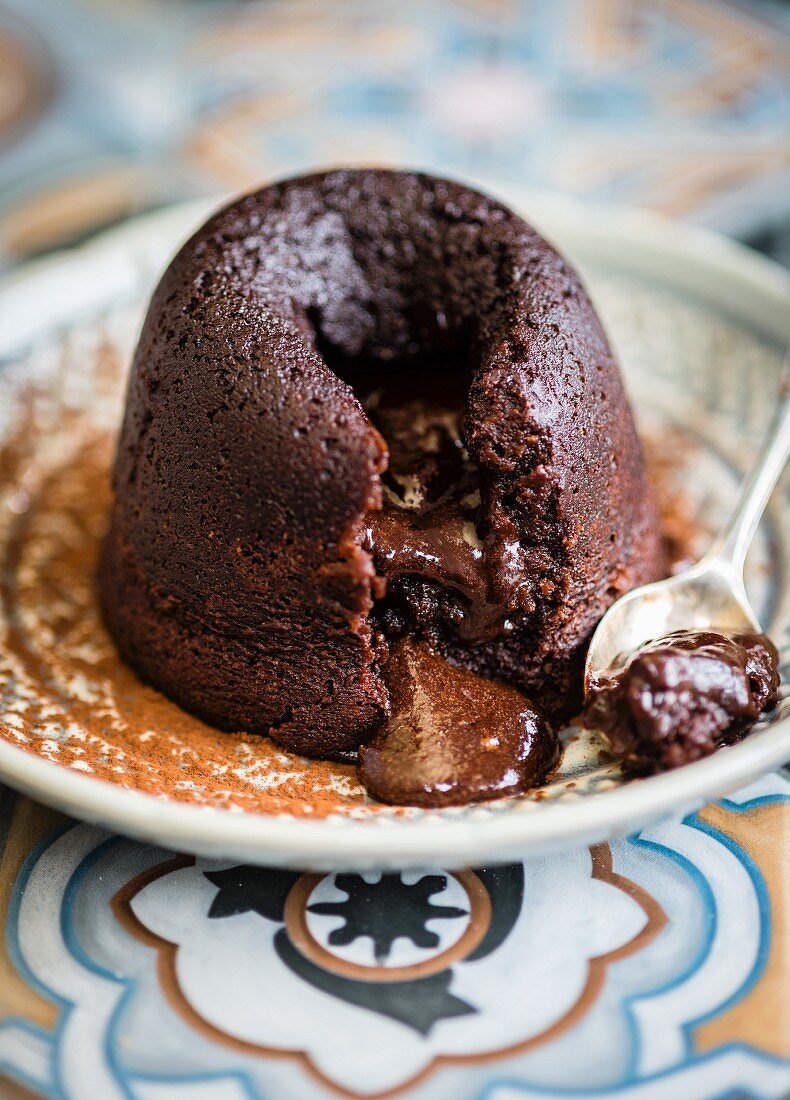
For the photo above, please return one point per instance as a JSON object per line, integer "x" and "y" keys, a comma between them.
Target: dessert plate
{"x": 700, "y": 326}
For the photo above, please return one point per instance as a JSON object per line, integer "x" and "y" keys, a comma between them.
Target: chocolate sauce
{"x": 682, "y": 696}
{"x": 425, "y": 541}
{"x": 453, "y": 737}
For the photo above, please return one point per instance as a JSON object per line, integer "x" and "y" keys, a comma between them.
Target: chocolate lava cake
{"x": 366, "y": 407}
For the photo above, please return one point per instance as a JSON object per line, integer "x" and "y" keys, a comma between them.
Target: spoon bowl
{"x": 708, "y": 596}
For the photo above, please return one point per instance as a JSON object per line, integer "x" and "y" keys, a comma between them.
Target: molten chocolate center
{"x": 425, "y": 539}
{"x": 453, "y": 737}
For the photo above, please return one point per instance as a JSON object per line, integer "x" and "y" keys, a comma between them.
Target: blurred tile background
{"x": 108, "y": 107}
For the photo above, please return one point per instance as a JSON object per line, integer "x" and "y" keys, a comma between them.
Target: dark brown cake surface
{"x": 250, "y": 571}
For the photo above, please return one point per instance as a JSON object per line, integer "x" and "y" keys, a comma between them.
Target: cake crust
{"x": 234, "y": 576}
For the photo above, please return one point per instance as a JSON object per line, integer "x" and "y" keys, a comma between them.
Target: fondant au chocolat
{"x": 366, "y": 406}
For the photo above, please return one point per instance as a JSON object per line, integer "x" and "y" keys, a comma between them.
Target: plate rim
{"x": 343, "y": 842}
{"x": 726, "y": 273}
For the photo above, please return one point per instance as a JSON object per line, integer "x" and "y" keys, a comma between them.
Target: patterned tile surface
{"x": 650, "y": 967}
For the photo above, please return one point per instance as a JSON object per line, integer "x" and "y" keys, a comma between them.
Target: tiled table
{"x": 652, "y": 967}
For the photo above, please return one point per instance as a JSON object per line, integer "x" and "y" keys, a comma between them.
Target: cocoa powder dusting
{"x": 668, "y": 458}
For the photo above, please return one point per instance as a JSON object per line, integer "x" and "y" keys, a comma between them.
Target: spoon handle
{"x": 731, "y": 545}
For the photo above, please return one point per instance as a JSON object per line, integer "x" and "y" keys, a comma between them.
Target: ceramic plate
{"x": 699, "y": 325}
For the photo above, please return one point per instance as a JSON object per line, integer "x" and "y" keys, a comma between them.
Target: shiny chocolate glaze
{"x": 682, "y": 696}
{"x": 453, "y": 737}
{"x": 425, "y": 540}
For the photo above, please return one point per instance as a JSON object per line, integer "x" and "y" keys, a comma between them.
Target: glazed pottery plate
{"x": 699, "y": 325}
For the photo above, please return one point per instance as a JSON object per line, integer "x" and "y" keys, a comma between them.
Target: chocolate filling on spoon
{"x": 682, "y": 696}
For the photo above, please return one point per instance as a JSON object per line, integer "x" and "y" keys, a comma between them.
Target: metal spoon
{"x": 710, "y": 595}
